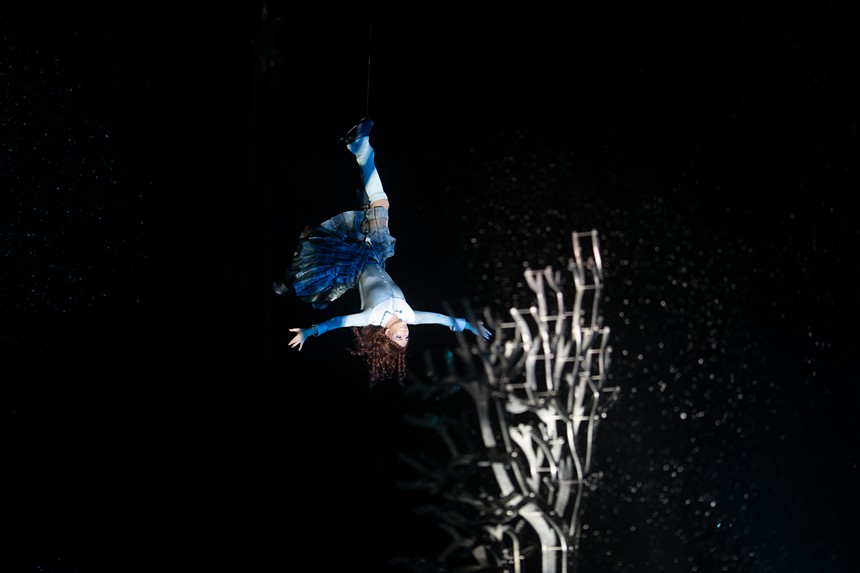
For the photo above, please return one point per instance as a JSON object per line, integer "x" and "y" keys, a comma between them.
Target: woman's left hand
{"x": 299, "y": 339}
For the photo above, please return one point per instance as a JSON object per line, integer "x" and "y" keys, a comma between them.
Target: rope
{"x": 369, "y": 42}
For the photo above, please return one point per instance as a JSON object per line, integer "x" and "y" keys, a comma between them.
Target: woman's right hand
{"x": 298, "y": 339}
{"x": 479, "y": 330}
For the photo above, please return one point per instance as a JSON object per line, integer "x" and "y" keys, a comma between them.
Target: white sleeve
{"x": 455, "y": 324}
{"x": 349, "y": 320}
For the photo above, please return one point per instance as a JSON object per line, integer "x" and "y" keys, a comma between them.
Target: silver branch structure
{"x": 518, "y": 451}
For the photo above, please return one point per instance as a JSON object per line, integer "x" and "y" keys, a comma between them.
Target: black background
{"x": 159, "y": 161}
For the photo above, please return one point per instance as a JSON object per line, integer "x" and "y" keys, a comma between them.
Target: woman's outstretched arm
{"x": 455, "y": 324}
{"x": 302, "y": 334}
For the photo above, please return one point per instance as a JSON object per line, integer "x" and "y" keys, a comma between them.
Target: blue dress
{"x": 329, "y": 261}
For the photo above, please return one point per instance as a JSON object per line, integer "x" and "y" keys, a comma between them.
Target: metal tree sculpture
{"x": 517, "y": 462}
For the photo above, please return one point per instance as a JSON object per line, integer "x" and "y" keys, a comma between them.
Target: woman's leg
{"x": 358, "y": 142}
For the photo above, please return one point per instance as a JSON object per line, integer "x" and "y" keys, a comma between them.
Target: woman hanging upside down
{"x": 351, "y": 249}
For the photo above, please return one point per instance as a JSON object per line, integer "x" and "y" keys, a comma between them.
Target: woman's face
{"x": 398, "y": 333}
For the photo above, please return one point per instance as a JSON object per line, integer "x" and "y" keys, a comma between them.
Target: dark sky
{"x": 158, "y": 163}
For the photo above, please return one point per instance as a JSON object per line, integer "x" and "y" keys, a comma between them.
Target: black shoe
{"x": 280, "y": 289}
{"x": 360, "y": 129}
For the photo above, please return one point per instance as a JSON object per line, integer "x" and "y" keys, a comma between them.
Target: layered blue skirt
{"x": 328, "y": 261}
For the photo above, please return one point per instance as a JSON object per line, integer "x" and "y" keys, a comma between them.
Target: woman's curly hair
{"x": 385, "y": 358}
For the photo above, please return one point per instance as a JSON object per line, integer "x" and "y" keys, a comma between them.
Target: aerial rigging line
{"x": 369, "y": 42}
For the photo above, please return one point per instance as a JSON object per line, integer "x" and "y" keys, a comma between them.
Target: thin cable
{"x": 369, "y": 42}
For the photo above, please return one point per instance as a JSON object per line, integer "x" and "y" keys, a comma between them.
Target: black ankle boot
{"x": 360, "y": 129}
